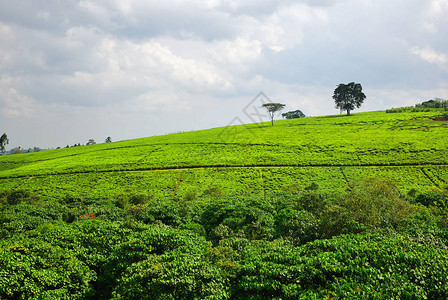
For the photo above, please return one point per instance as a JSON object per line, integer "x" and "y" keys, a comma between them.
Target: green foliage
{"x": 431, "y": 105}
{"x": 272, "y": 108}
{"x": 299, "y": 226}
{"x": 16, "y": 197}
{"x": 41, "y": 270}
{"x": 168, "y": 212}
{"x": 129, "y": 198}
{"x": 408, "y": 109}
{"x": 254, "y": 160}
{"x": 373, "y": 203}
{"x": 378, "y": 265}
{"x": 25, "y": 217}
{"x": 248, "y": 218}
{"x": 434, "y": 103}
{"x": 236, "y": 248}
{"x": 348, "y": 96}
{"x": 296, "y": 114}
{"x": 311, "y": 201}
{"x": 435, "y": 198}
{"x": 246, "y": 215}
{"x": 3, "y": 141}
{"x": 213, "y": 191}
{"x": 166, "y": 264}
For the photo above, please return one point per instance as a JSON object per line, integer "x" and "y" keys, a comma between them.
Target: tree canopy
{"x": 272, "y": 108}
{"x": 348, "y": 96}
{"x": 293, "y": 114}
{"x": 3, "y": 141}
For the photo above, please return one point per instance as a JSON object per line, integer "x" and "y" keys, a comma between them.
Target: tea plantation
{"x": 330, "y": 207}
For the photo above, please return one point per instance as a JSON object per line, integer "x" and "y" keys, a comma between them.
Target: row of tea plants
{"x": 369, "y": 242}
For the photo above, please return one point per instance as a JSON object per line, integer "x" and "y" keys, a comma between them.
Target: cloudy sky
{"x": 79, "y": 69}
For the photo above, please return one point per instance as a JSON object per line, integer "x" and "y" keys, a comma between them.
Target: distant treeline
{"x": 422, "y": 107}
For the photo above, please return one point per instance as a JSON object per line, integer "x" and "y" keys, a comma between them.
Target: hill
{"x": 330, "y": 207}
{"x": 330, "y": 151}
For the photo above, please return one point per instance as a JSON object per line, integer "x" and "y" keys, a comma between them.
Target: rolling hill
{"x": 331, "y": 207}
{"x": 253, "y": 159}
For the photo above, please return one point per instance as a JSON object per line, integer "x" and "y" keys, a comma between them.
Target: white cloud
{"x": 117, "y": 66}
{"x": 430, "y": 55}
{"x": 285, "y": 28}
{"x": 153, "y": 61}
{"x": 125, "y": 69}
{"x": 15, "y": 105}
{"x": 236, "y": 52}
{"x": 158, "y": 103}
{"x": 437, "y": 8}
{"x": 6, "y": 52}
{"x": 43, "y": 15}
{"x": 391, "y": 97}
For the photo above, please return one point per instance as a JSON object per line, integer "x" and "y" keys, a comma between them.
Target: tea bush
{"x": 35, "y": 269}
{"x": 228, "y": 248}
{"x": 381, "y": 265}
{"x": 373, "y": 203}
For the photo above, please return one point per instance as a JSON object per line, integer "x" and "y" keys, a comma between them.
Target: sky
{"x": 76, "y": 70}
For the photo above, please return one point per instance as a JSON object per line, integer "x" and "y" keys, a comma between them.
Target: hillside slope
{"x": 245, "y": 212}
{"x": 331, "y": 151}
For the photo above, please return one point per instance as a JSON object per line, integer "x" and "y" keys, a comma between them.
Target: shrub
{"x": 312, "y": 202}
{"x": 129, "y": 198}
{"x": 372, "y": 203}
{"x": 213, "y": 191}
{"x": 162, "y": 263}
{"x": 160, "y": 212}
{"x": 16, "y": 197}
{"x": 139, "y": 199}
{"x": 299, "y": 226}
{"x": 434, "y": 198}
{"x": 25, "y": 217}
{"x": 242, "y": 217}
{"x": 195, "y": 227}
{"x": 174, "y": 275}
{"x": 380, "y": 265}
{"x": 190, "y": 195}
{"x": 34, "y": 269}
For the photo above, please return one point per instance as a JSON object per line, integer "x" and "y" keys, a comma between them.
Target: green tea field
{"x": 259, "y": 159}
{"x": 331, "y": 207}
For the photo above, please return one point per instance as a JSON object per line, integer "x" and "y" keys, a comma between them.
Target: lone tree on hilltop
{"x": 296, "y": 114}
{"x": 348, "y": 96}
{"x": 3, "y": 141}
{"x": 272, "y": 108}
{"x": 108, "y": 139}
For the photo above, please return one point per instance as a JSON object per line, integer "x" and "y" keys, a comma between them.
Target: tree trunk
{"x": 348, "y": 112}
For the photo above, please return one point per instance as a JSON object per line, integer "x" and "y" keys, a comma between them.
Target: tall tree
{"x": 348, "y": 96}
{"x": 3, "y": 141}
{"x": 272, "y": 108}
{"x": 108, "y": 139}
